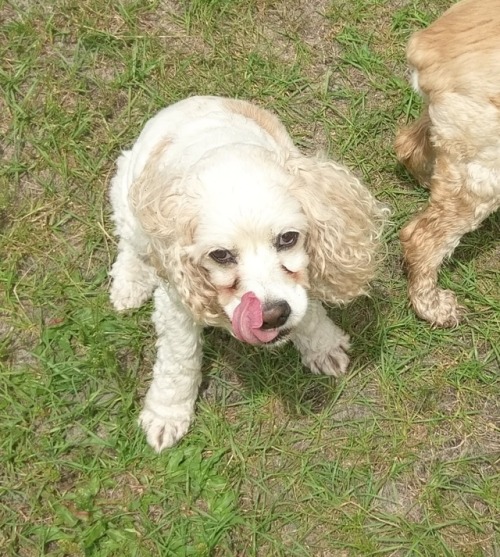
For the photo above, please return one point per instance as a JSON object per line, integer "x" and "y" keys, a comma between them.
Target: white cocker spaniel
{"x": 229, "y": 225}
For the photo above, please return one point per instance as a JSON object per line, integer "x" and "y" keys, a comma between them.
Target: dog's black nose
{"x": 275, "y": 314}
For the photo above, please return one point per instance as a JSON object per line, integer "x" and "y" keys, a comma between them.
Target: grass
{"x": 400, "y": 458}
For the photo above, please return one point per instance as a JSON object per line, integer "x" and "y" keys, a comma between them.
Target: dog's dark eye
{"x": 222, "y": 256}
{"x": 287, "y": 240}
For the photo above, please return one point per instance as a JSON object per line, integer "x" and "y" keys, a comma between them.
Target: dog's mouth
{"x": 247, "y": 323}
{"x": 280, "y": 338}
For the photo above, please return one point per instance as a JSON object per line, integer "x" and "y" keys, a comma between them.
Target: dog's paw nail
{"x": 163, "y": 432}
{"x": 336, "y": 363}
{"x": 333, "y": 363}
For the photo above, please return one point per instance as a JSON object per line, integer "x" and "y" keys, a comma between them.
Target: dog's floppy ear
{"x": 169, "y": 220}
{"x": 345, "y": 224}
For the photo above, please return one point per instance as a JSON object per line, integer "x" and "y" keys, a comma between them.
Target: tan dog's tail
{"x": 414, "y": 148}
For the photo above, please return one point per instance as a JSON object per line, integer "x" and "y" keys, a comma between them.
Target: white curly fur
{"x": 210, "y": 174}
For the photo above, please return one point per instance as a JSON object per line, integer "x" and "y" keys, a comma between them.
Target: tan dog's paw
{"x": 440, "y": 308}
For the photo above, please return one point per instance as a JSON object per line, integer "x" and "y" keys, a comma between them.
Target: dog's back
{"x": 456, "y": 64}
{"x": 460, "y": 51}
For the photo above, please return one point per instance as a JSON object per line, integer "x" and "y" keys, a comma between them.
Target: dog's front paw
{"x": 129, "y": 295}
{"x": 164, "y": 431}
{"x": 133, "y": 281}
{"x": 438, "y": 307}
{"x": 333, "y": 363}
{"x": 332, "y": 360}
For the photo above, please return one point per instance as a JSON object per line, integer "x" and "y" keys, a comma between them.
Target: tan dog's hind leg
{"x": 432, "y": 236}
{"x": 414, "y": 149}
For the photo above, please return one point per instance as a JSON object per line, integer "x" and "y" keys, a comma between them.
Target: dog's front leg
{"x": 169, "y": 405}
{"x": 134, "y": 280}
{"x": 322, "y": 344}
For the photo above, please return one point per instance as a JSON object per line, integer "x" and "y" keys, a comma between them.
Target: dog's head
{"x": 246, "y": 238}
{"x": 250, "y": 240}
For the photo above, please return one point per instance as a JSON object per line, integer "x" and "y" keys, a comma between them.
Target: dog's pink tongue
{"x": 248, "y": 319}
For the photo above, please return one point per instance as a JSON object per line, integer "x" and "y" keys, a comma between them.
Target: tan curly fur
{"x": 167, "y": 217}
{"x": 345, "y": 223}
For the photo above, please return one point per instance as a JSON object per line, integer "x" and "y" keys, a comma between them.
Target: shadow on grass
{"x": 236, "y": 372}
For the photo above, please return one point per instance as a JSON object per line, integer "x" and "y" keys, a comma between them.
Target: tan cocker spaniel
{"x": 454, "y": 147}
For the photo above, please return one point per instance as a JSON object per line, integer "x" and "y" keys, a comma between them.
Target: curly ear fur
{"x": 169, "y": 221}
{"x": 345, "y": 224}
